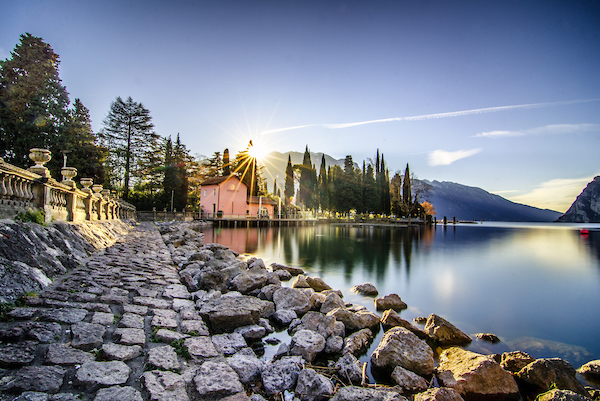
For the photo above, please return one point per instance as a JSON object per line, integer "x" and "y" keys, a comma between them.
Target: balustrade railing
{"x": 34, "y": 188}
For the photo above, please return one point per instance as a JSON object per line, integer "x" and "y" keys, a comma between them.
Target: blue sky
{"x": 502, "y": 95}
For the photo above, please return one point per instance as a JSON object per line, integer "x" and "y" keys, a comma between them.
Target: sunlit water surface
{"x": 536, "y": 286}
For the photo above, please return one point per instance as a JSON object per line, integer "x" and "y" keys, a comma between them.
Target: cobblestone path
{"x": 111, "y": 329}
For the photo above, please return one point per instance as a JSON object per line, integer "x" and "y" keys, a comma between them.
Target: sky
{"x": 501, "y": 95}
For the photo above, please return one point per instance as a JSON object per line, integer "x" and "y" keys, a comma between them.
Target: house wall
{"x": 228, "y": 197}
{"x": 254, "y": 209}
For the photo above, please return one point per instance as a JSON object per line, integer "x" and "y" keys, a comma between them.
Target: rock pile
{"x": 160, "y": 315}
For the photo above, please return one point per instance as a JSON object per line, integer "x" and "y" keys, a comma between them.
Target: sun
{"x": 258, "y": 151}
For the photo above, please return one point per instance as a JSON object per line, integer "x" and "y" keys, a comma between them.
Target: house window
{"x": 205, "y": 192}
{"x": 215, "y": 191}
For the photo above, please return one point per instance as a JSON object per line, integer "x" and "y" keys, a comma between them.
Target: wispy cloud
{"x": 444, "y": 158}
{"x": 556, "y": 129}
{"x": 433, "y": 116}
{"x": 557, "y": 194}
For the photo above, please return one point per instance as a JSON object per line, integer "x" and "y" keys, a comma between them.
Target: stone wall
{"x": 31, "y": 255}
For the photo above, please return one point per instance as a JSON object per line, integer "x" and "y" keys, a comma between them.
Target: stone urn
{"x": 40, "y": 157}
{"x": 68, "y": 174}
{"x": 105, "y": 193}
{"x": 86, "y": 183}
{"x": 97, "y": 188}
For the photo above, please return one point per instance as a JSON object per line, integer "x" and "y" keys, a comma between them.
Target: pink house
{"x": 227, "y": 197}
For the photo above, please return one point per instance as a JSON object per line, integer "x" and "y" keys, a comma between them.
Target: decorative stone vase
{"x": 86, "y": 183}
{"x": 97, "y": 188}
{"x": 68, "y": 174}
{"x": 40, "y": 157}
{"x": 105, "y": 193}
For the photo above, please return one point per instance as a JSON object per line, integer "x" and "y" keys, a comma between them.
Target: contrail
{"x": 433, "y": 116}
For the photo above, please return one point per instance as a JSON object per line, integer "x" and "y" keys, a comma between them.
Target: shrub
{"x": 31, "y": 216}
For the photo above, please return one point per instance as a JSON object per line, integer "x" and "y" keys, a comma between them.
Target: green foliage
{"x": 31, "y": 216}
{"x": 5, "y": 309}
{"x": 288, "y": 192}
{"x": 181, "y": 349}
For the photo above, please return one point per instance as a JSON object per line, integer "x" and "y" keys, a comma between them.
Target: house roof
{"x": 218, "y": 180}
{"x": 264, "y": 201}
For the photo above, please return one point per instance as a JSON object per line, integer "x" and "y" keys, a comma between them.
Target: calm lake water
{"x": 536, "y": 286}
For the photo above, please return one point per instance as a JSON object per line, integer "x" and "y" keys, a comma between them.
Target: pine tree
{"x": 170, "y": 181}
{"x": 307, "y": 181}
{"x": 396, "y": 194}
{"x": 406, "y": 192}
{"x": 128, "y": 134}
{"x": 289, "y": 181}
{"x": 226, "y": 165}
{"x": 323, "y": 183}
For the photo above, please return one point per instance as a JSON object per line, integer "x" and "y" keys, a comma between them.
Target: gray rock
{"x": 560, "y": 395}
{"x": 217, "y": 379}
{"x": 475, "y": 376}
{"x": 250, "y": 280}
{"x": 183, "y": 304}
{"x": 591, "y": 369}
{"x": 64, "y": 315}
{"x": 444, "y": 332}
{"x": 226, "y": 314}
{"x": 113, "y": 393}
{"x": 130, "y": 336}
{"x": 43, "y": 332}
{"x": 152, "y": 302}
{"x": 176, "y": 291}
{"x": 294, "y": 271}
{"x": 132, "y": 320}
{"x": 103, "y": 318}
{"x": 365, "y": 289}
{"x": 307, "y": 344}
{"x": 19, "y": 354}
{"x": 515, "y": 361}
{"x": 32, "y": 396}
{"x": 252, "y": 333}
{"x": 247, "y": 366}
{"x": 586, "y": 208}
{"x": 319, "y": 322}
{"x": 408, "y": 381}
{"x": 162, "y": 321}
{"x": 196, "y": 327}
{"x": 317, "y": 284}
{"x": 280, "y": 375}
{"x": 351, "y": 320}
{"x": 391, "y": 301}
{"x": 62, "y": 354}
{"x": 358, "y": 342}
{"x": 283, "y": 275}
{"x": 164, "y": 357}
{"x": 165, "y": 386}
{"x": 349, "y": 369}
{"x": 168, "y": 336}
{"x": 284, "y": 316}
{"x": 438, "y": 394}
{"x": 545, "y": 373}
{"x": 47, "y": 379}
{"x": 103, "y": 373}
{"x": 391, "y": 319}
{"x": 137, "y": 309}
{"x": 64, "y": 397}
{"x": 352, "y": 393}
{"x": 118, "y": 352}
{"x": 87, "y": 336}
{"x": 293, "y": 299}
{"x": 332, "y": 301}
{"x": 334, "y": 345}
{"x": 312, "y": 386}
{"x": 229, "y": 343}
{"x": 200, "y": 348}
{"x": 400, "y": 347}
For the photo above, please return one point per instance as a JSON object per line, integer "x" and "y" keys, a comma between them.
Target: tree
{"x": 428, "y": 208}
{"x": 323, "y": 184}
{"x": 128, "y": 134}
{"x": 289, "y": 181}
{"x": 181, "y": 159}
{"x": 396, "y": 194}
{"x": 247, "y": 167}
{"x": 406, "y": 192}
{"x": 226, "y": 165}
{"x": 308, "y": 177}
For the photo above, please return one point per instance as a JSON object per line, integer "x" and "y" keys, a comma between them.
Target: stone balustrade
{"x": 21, "y": 190}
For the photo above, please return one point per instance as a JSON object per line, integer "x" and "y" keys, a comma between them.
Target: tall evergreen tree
{"x": 226, "y": 165}
{"x": 170, "y": 181}
{"x": 406, "y": 192}
{"x": 323, "y": 182}
{"x": 289, "y": 181}
{"x": 247, "y": 167}
{"x": 182, "y": 159}
{"x": 307, "y": 181}
{"x": 128, "y": 134}
{"x": 396, "y": 194}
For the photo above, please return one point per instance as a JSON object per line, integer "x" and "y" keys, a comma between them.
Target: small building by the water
{"x": 227, "y": 197}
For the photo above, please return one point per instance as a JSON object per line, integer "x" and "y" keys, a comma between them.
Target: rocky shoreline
{"x": 161, "y": 316}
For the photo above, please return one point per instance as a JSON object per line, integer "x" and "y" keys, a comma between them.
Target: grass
{"x": 31, "y": 216}
{"x": 181, "y": 349}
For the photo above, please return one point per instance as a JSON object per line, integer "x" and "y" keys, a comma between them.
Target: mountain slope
{"x": 586, "y": 208}
{"x": 470, "y": 203}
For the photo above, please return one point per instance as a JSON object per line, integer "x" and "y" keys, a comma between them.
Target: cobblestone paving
{"x": 111, "y": 329}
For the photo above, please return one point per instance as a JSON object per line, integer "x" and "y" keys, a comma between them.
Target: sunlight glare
{"x": 258, "y": 151}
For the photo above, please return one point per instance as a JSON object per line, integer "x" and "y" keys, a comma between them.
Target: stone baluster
{"x": 3, "y": 191}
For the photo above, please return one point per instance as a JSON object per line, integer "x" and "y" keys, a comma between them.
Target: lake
{"x": 536, "y": 286}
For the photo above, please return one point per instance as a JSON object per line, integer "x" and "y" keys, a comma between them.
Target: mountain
{"x": 470, "y": 203}
{"x": 586, "y": 208}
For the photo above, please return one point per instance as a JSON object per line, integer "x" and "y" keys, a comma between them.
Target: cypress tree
{"x": 226, "y": 165}
{"x": 289, "y": 181}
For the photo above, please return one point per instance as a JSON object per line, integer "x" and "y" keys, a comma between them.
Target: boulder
{"x": 318, "y": 322}
{"x": 400, "y": 347}
{"x": 560, "y": 395}
{"x": 443, "y": 332}
{"x": 591, "y": 370}
{"x": 267, "y": 291}
{"x": 300, "y": 282}
{"x": 391, "y": 301}
{"x": 226, "y": 314}
{"x": 284, "y": 316}
{"x": 102, "y": 373}
{"x": 317, "y": 284}
{"x": 349, "y": 370}
{"x": 368, "y": 319}
{"x": 352, "y": 393}
{"x": 165, "y": 386}
{"x": 408, "y": 381}
{"x": 163, "y": 357}
{"x": 331, "y": 302}
{"x": 316, "y": 301}
{"x": 217, "y": 380}
{"x": 294, "y": 271}
{"x": 283, "y": 275}
{"x": 391, "y": 319}
{"x": 312, "y": 386}
{"x": 252, "y": 333}
{"x": 358, "y": 342}
{"x": 545, "y": 373}
{"x": 489, "y": 337}
{"x": 334, "y": 345}
{"x": 307, "y": 344}
{"x": 475, "y": 376}
{"x": 281, "y": 375}
{"x": 515, "y": 361}
{"x": 438, "y": 394}
{"x": 250, "y": 280}
{"x": 47, "y": 379}
{"x": 293, "y": 299}
{"x": 247, "y": 366}
{"x": 351, "y": 320}
{"x": 365, "y": 289}
{"x": 229, "y": 343}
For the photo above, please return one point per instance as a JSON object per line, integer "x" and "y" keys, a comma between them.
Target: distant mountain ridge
{"x": 471, "y": 203}
{"x": 586, "y": 208}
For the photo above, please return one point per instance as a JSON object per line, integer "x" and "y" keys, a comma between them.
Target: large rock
{"x": 391, "y": 319}
{"x": 294, "y": 271}
{"x": 408, "y": 381}
{"x": 515, "y": 361}
{"x": 544, "y": 374}
{"x": 250, "y": 280}
{"x": 317, "y": 284}
{"x": 307, "y": 344}
{"x": 164, "y": 357}
{"x": 365, "y": 289}
{"x": 438, "y": 394}
{"x": 292, "y": 299}
{"x": 315, "y": 321}
{"x": 358, "y": 342}
{"x": 591, "y": 370}
{"x": 47, "y": 379}
{"x": 87, "y": 336}
{"x": 103, "y": 373}
{"x": 352, "y": 321}
{"x": 165, "y": 386}
{"x": 18, "y": 354}
{"x": 229, "y": 343}
{"x": 62, "y": 354}
{"x": 331, "y": 302}
{"x": 228, "y": 313}
{"x": 349, "y": 369}
{"x": 400, "y": 347}
{"x": 124, "y": 393}
{"x": 444, "y": 332}
{"x": 475, "y": 376}
{"x": 312, "y": 386}
{"x": 247, "y": 366}
{"x": 391, "y": 301}
{"x": 281, "y": 375}
{"x": 352, "y": 393}
{"x": 560, "y": 395}
{"x": 217, "y": 380}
